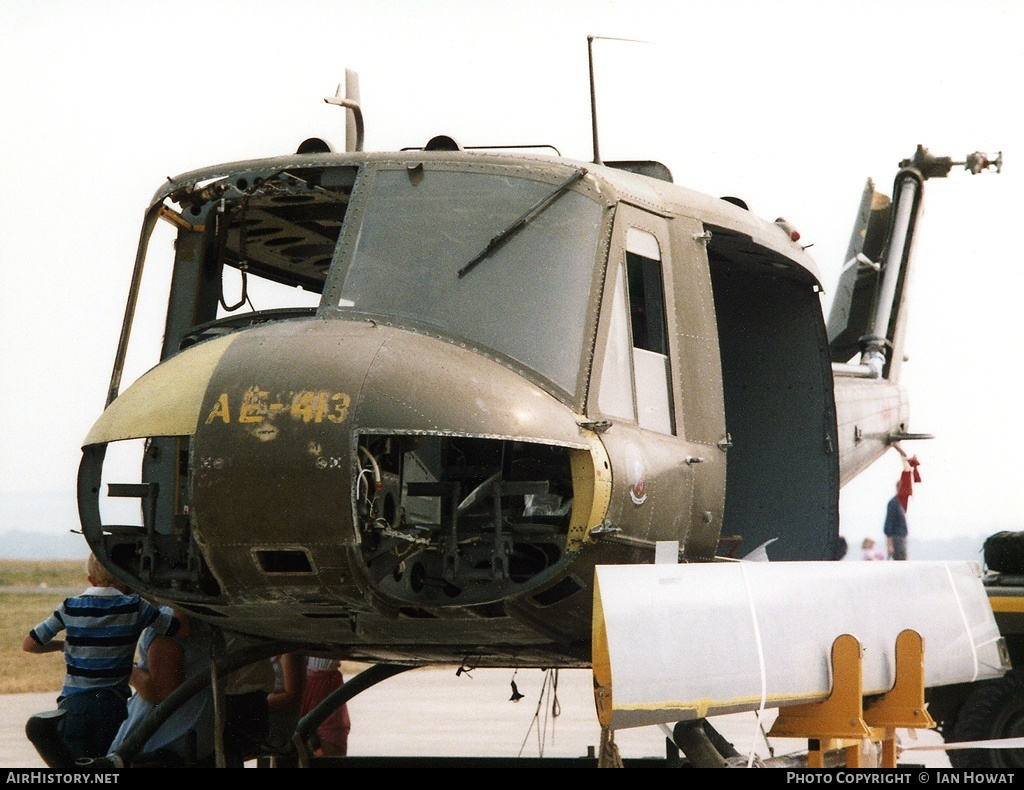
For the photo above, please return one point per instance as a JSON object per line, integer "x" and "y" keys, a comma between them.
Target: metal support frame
{"x": 842, "y": 722}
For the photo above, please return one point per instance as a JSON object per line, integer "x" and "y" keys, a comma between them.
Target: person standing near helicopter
{"x": 896, "y": 509}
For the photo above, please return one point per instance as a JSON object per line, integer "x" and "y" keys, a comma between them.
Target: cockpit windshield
{"x": 527, "y": 298}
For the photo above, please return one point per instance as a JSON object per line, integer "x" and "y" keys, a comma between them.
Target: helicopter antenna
{"x": 593, "y": 92}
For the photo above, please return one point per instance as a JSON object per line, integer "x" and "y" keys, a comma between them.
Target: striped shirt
{"x": 103, "y": 628}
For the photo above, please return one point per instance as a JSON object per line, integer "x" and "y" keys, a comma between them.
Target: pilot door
{"x": 659, "y": 475}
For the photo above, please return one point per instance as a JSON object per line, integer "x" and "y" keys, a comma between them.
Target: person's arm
{"x": 33, "y": 645}
{"x": 165, "y": 670}
{"x": 41, "y": 639}
{"x": 293, "y": 670}
{"x": 164, "y": 620}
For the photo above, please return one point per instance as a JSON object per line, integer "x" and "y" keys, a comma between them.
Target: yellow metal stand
{"x": 903, "y": 705}
{"x": 841, "y": 722}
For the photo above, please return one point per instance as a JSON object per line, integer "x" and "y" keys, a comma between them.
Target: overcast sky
{"x": 790, "y": 105}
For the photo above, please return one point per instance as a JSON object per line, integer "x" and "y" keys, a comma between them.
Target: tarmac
{"x": 437, "y": 712}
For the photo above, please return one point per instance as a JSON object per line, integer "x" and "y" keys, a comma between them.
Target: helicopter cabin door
{"x": 783, "y": 475}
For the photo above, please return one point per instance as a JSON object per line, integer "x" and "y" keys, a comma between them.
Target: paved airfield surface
{"x": 436, "y": 712}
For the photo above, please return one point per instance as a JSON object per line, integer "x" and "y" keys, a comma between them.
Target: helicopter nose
{"x": 266, "y": 500}
{"x": 274, "y": 458}
{"x": 275, "y": 446}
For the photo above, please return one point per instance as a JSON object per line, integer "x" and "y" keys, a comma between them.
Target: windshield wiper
{"x": 531, "y": 213}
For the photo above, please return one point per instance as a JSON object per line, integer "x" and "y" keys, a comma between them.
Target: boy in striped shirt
{"x": 103, "y": 626}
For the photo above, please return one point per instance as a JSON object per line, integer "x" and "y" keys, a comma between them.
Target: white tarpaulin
{"x": 681, "y": 641}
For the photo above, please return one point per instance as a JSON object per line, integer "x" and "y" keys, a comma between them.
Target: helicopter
{"x": 407, "y": 402}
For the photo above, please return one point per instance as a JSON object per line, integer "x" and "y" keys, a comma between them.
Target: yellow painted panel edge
{"x": 166, "y": 400}
{"x": 592, "y": 490}
{"x": 1007, "y": 603}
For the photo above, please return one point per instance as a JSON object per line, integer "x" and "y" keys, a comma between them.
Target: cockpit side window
{"x": 646, "y": 303}
{"x": 647, "y": 321}
{"x": 635, "y": 381}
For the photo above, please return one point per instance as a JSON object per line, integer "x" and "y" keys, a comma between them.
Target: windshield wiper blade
{"x": 530, "y": 214}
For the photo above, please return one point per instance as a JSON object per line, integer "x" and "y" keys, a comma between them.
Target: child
{"x": 869, "y": 550}
{"x": 103, "y": 627}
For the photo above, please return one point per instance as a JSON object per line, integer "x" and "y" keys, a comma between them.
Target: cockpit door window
{"x": 648, "y": 325}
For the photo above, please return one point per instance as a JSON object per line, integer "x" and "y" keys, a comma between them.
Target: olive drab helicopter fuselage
{"x": 406, "y": 402}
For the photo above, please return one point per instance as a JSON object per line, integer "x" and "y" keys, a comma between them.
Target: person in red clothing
{"x": 323, "y": 675}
